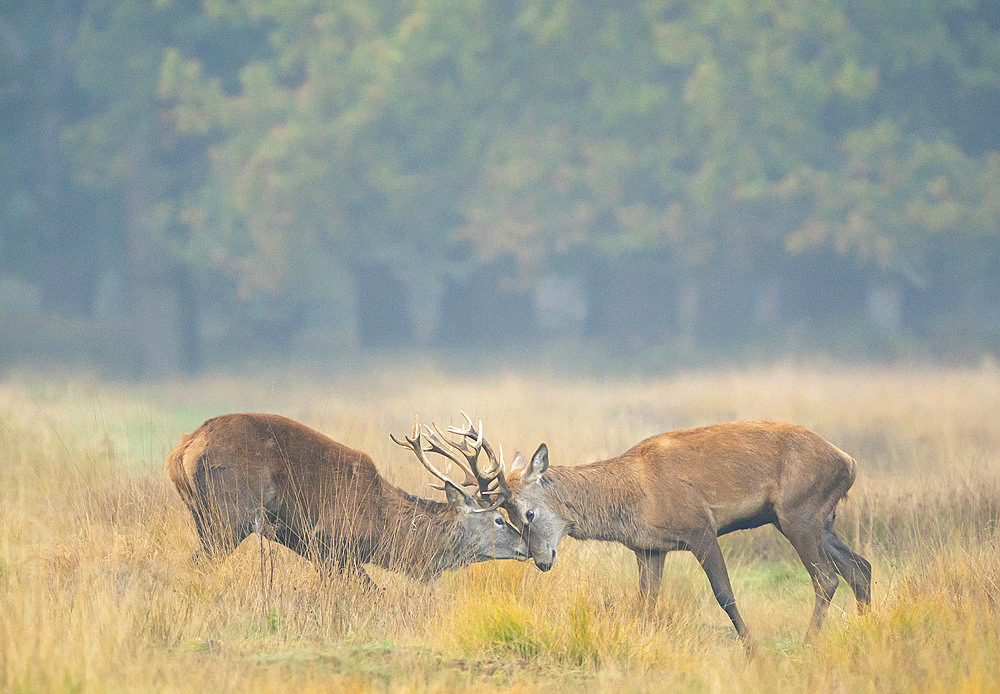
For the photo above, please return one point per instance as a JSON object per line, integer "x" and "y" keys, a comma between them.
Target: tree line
{"x": 199, "y": 174}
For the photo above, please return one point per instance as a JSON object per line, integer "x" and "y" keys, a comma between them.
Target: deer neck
{"x": 418, "y": 535}
{"x": 598, "y": 500}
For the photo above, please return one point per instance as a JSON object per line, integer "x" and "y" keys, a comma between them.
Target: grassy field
{"x": 98, "y": 591}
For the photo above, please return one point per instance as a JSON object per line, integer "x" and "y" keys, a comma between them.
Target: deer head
{"x": 482, "y": 527}
{"x": 530, "y": 509}
{"x": 524, "y": 498}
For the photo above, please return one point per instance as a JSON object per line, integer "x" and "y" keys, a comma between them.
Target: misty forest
{"x": 192, "y": 182}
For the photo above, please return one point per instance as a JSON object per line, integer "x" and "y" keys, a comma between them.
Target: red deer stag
{"x": 239, "y": 473}
{"x": 682, "y": 490}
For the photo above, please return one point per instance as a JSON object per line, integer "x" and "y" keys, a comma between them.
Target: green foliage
{"x": 284, "y": 143}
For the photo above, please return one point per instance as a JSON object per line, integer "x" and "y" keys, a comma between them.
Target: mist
{"x": 564, "y": 185}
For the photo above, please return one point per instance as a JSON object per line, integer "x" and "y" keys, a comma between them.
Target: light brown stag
{"x": 683, "y": 489}
{"x": 240, "y": 473}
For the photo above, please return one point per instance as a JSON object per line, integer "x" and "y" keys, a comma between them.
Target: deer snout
{"x": 544, "y": 564}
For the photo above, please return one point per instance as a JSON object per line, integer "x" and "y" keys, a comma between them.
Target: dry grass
{"x": 97, "y": 590}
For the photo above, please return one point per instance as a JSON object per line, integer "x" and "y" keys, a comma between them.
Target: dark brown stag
{"x": 683, "y": 489}
{"x": 241, "y": 473}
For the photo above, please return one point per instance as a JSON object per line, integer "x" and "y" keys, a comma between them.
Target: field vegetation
{"x": 98, "y": 591}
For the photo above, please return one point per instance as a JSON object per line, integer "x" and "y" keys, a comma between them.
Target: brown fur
{"x": 243, "y": 472}
{"x": 682, "y": 489}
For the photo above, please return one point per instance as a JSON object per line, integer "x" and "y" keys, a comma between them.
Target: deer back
{"x": 237, "y": 462}
{"x": 738, "y": 469}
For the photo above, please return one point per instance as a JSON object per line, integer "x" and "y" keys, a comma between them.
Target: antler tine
{"x": 410, "y": 442}
{"x": 491, "y": 480}
{"x": 416, "y": 445}
{"x": 469, "y": 430}
{"x": 497, "y": 465}
{"x": 471, "y": 450}
{"x": 442, "y": 446}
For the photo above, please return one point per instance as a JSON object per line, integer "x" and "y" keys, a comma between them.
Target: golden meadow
{"x": 98, "y": 591}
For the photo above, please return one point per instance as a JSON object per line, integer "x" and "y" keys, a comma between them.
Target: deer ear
{"x": 458, "y": 498}
{"x": 538, "y": 465}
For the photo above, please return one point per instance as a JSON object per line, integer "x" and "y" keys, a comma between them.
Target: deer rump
{"x": 256, "y": 472}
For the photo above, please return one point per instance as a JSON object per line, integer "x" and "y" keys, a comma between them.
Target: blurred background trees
{"x": 186, "y": 180}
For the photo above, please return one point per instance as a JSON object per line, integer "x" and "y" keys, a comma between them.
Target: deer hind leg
{"x": 805, "y": 539}
{"x": 221, "y": 523}
{"x": 650, "y": 573}
{"x": 709, "y": 554}
{"x": 855, "y": 569}
{"x": 214, "y": 534}
{"x": 220, "y": 534}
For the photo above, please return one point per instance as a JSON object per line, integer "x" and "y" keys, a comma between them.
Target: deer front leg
{"x": 650, "y": 573}
{"x": 350, "y": 562}
{"x": 709, "y": 554}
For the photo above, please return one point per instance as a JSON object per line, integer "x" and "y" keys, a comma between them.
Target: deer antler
{"x": 442, "y": 446}
{"x": 416, "y": 445}
{"x": 491, "y": 480}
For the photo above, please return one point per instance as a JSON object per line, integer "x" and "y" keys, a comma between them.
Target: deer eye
{"x": 529, "y": 516}
{"x": 499, "y": 521}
